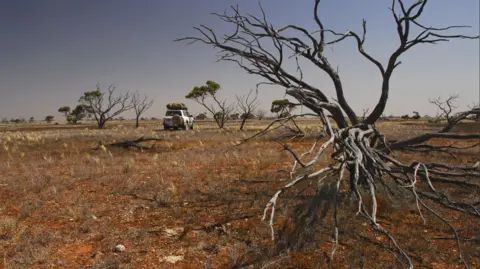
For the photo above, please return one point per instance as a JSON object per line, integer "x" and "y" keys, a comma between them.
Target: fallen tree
{"x": 129, "y": 144}
{"x": 361, "y": 156}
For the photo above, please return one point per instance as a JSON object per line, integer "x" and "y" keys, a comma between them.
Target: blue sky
{"x": 52, "y": 51}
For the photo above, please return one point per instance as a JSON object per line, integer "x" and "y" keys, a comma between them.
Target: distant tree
{"x": 49, "y": 118}
{"x": 218, "y": 116}
{"x": 153, "y": 118}
{"x": 65, "y": 110}
{"x": 416, "y": 115}
{"x": 121, "y": 118}
{"x": 234, "y": 116}
{"x": 4, "y": 120}
{"x": 247, "y": 105}
{"x": 78, "y": 114}
{"x": 201, "y": 116}
{"x": 140, "y": 105}
{"x": 261, "y": 114}
{"x": 201, "y": 93}
{"x": 405, "y": 117}
{"x": 282, "y": 108}
{"x": 32, "y": 119}
{"x": 104, "y": 106}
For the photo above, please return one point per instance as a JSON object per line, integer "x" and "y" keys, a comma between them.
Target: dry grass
{"x": 193, "y": 196}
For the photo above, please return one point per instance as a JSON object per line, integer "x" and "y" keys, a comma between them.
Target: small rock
{"x": 94, "y": 217}
{"x": 119, "y": 248}
{"x": 172, "y": 259}
{"x": 173, "y": 232}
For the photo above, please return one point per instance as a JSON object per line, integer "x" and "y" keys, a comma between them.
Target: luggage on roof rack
{"x": 177, "y": 106}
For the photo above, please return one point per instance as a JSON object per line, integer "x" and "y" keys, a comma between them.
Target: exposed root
{"x": 352, "y": 150}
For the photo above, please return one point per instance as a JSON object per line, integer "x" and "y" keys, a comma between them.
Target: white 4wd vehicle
{"x": 178, "y": 119}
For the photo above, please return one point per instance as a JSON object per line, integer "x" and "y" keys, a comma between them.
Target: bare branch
{"x": 247, "y": 105}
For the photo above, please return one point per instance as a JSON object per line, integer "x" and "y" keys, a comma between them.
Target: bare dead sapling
{"x": 140, "y": 105}
{"x": 247, "y": 106}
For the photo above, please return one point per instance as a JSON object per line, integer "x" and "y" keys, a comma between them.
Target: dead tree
{"x": 140, "y": 105}
{"x": 364, "y": 113}
{"x": 104, "y": 106}
{"x": 282, "y": 108}
{"x": 129, "y": 144}
{"x": 446, "y": 107}
{"x": 247, "y": 105}
{"x": 472, "y": 107}
{"x": 360, "y": 151}
{"x": 261, "y": 114}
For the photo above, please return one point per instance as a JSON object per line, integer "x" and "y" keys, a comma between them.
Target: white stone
{"x": 119, "y": 248}
{"x": 172, "y": 259}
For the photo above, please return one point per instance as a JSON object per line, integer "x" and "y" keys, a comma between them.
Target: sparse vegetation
{"x": 328, "y": 188}
{"x": 94, "y": 200}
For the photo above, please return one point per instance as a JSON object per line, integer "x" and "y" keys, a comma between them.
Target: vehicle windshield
{"x": 173, "y": 113}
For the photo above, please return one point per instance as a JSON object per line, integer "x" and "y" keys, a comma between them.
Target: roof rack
{"x": 180, "y": 106}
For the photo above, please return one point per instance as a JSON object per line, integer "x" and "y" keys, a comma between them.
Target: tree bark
{"x": 243, "y": 123}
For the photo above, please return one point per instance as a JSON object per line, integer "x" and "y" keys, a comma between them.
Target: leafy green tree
{"x": 222, "y": 111}
{"x": 78, "y": 114}
{"x": 282, "y": 108}
{"x": 416, "y": 115}
{"x": 49, "y": 118}
{"x": 201, "y": 116}
{"x": 65, "y": 110}
{"x": 104, "y": 106}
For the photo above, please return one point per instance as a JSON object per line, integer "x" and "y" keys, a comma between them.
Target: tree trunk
{"x": 217, "y": 120}
{"x": 101, "y": 123}
{"x": 136, "y": 121}
{"x": 243, "y": 123}
{"x": 222, "y": 122}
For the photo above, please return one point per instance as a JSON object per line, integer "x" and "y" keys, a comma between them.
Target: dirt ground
{"x": 196, "y": 201}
